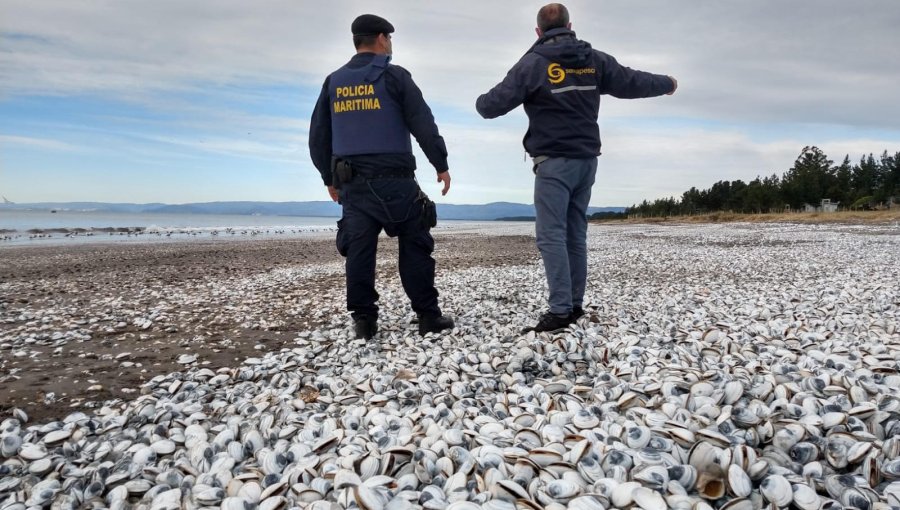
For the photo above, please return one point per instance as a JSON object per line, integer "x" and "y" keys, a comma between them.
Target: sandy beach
{"x": 81, "y": 324}
{"x": 225, "y": 374}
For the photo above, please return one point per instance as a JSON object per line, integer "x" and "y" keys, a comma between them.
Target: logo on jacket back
{"x": 555, "y": 73}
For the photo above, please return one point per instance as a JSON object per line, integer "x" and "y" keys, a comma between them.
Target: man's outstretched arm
{"x": 506, "y": 95}
{"x": 626, "y": 83}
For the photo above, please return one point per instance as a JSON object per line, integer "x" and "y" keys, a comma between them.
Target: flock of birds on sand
{"x": 159, "y": 233}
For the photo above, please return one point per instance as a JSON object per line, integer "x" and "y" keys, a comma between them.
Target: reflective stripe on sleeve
{"x": 570, "y": 88}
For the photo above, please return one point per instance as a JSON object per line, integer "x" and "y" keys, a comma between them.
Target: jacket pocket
{"x": 395, "y": 196}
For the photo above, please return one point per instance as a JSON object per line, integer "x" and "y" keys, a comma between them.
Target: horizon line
{"x": 242, "y": 201}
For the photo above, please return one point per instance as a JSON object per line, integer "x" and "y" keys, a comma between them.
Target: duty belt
{"x": 385, "y": 175}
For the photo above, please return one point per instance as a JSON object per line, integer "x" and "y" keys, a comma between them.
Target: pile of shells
{"x": 734, "y": 373}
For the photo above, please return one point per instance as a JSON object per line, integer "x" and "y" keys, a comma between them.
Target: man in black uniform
{"x": 359, "y": 140}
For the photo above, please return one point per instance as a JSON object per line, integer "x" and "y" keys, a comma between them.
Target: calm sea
{"x": 45, "y": 227}
{"x": 64, "y": 227}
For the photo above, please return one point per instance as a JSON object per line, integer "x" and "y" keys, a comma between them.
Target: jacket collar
{"x": 552, "y": 36}
{"x": 556, "y": 32}
{"x": 365, "y": 58}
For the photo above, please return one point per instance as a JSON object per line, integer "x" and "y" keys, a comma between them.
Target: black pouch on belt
{"x": 341, "y": 172}
{"x": 429, "y": 211}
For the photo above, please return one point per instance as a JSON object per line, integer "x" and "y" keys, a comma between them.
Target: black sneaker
{"x": 551, "y": 322}
{"x": 577, "y": 312}
{"x": 434, "y": 324}
{"x": 365, "y": 326}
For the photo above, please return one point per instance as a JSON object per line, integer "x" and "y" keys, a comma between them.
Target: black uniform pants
{"x": 370, "y": 205}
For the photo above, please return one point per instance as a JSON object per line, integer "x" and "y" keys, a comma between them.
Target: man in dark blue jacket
{"x": 359, "y": 140}
{"x": 559, "y": 81}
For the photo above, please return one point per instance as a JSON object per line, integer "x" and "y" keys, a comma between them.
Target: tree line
{"x": 869, "y": 184}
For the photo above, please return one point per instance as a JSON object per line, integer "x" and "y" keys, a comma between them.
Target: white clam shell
{"x": 776, "y": 489}
{"x": 274, "y": 503}
{"x": 234, "y": 503}
{"x": 805, "y": 497}
{"x": 9, "y": 445}
{"x": 57, "y": 436}
{"x": 562, "y": 490}
{"x": 586, "y": 502}
{"x": 739, "y": 482}
{"x": 31, "y": 451}
{"x": 585, "y": 419}
{"x": 250, "y": 492}
{"x": 623, "y": 494}
{"x": 164, "y": 447}
{"x": 648, "y": 499}
{"x": 41, "y": 466}
{"x": 168, "y": 500}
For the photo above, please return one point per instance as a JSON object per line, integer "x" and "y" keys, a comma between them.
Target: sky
{"x": 209, "y": 100}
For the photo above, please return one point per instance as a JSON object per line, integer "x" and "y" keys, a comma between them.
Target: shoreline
{"x": 66, "y": 236}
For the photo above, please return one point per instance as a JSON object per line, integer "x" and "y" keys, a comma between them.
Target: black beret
{"x": 370, "y": 24}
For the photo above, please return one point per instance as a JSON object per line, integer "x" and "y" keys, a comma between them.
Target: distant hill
{"x": 81, "y": 206}
{"x": 319, "y": 208}
{"x": 481, "y": 212}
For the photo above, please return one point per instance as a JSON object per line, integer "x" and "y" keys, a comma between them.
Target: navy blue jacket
{"x": 365, "y": 118}
{"x": 559, "y": 81}
{"x": 416, "y": 114}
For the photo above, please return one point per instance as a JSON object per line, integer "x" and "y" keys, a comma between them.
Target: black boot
{"x": 434, "y": 324}
{"x": 365, "y": 326}
{"x": 551, "y": 322}
{"x": 577, "y": 312}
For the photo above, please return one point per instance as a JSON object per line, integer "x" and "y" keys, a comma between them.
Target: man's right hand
{"x": 675, "y": 85}
{"x": 334, "y": 193}
{"x": 445, "y": 178}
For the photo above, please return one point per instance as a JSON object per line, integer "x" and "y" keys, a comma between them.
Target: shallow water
{"x": 43, "y": 228}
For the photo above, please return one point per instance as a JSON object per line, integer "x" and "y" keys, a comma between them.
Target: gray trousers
{"x": 562, "y": 191}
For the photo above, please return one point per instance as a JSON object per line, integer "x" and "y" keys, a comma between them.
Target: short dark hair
{"x": 552, "y": 16}
{"x": 364, "y": 40}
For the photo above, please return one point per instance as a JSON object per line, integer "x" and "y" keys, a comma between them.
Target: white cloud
{"x": 42, "y": 143}
{"x": 810, "y": 60}
{"x": 830, "y": 66}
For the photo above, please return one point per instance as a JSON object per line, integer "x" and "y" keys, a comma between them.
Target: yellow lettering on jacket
{"x": 358, "y": 102}
{"x": 354, "y": 105}
{"x": 356, "y": 90}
